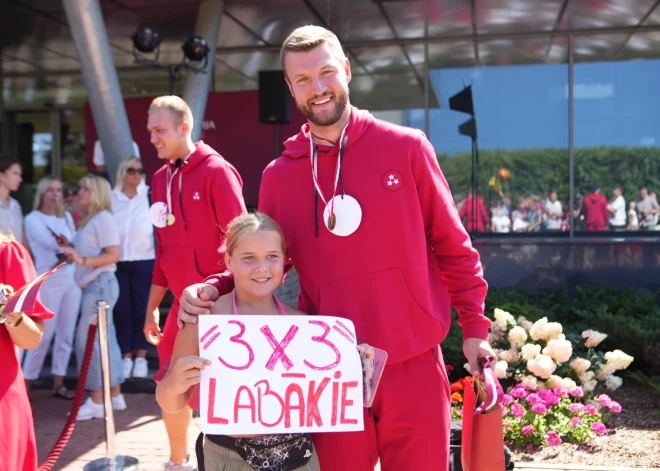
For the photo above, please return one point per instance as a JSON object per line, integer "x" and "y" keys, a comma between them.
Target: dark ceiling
{"x": 384, "y": 40}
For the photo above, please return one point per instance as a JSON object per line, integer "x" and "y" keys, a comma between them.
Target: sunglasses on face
{"x": 135, "y": 171}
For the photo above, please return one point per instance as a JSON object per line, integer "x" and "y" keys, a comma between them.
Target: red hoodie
{"x": 596, "y": 215}
{"x": 211, "y": 196}
{"x": 395, "y": 276}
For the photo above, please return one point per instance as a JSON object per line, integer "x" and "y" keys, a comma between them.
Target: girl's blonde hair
{"x": 100, "y": 195}
{"x": 42, "y": 186}
{"x": 247, "y": 224}
{"x": 121, "y": 171}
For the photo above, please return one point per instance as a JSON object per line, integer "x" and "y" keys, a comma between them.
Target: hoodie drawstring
{"x": 342, "y": 151}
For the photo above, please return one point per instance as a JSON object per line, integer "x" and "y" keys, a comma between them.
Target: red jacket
{"x": 396, "y": 275}
{"x": 475, "y": 215}
{"x": 596, "y": 215}
{"x": 210, "y": 197}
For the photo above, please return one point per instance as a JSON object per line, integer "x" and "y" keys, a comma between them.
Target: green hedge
{"x": 543, "y": 170}
{"x": 630, "y": 319}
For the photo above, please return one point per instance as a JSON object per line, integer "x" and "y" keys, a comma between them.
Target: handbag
{"x": 482, "y": 435}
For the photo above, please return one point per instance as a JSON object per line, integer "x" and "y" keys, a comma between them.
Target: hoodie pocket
{"x": 180, "y": 268}
{"x": 384, "y": 311}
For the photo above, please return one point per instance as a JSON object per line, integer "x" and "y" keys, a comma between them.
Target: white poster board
{"x": 279, "y": 374}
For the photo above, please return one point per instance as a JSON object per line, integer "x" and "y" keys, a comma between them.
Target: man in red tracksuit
{"x": 388, "y": 252}
{"x": 596, "y": 215}
{"x": 194, "y": 196}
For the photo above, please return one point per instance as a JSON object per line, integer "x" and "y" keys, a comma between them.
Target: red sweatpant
{"x": 408, "y": 427}
{"x": 166, "y": 345}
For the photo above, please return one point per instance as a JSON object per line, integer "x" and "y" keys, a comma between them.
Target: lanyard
{"x": 313, "y": 155}
{"x": 170, "y": 179}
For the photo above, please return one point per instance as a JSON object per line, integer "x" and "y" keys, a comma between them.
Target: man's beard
{"x": 341, "y": 101}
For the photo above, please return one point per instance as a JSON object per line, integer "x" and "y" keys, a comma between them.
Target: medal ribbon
{"x": 313, "y": 156}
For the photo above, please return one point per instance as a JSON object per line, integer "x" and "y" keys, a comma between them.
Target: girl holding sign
{"x": 256, "y": 251}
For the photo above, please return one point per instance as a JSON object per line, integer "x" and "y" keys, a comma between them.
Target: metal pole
{"x": 89, "y": 34}
{"x": 196, "y": 89}
{"x": 111, "y": 462}
{"x": 56, "y": 148}
{"x": 571, "y": 156}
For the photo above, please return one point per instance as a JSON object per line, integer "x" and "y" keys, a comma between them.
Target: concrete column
{"x": 100, "y": 77}
{"x": 196, "y": 88}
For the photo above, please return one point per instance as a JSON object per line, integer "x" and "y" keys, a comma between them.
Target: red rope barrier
{"x": 77, "y": 402}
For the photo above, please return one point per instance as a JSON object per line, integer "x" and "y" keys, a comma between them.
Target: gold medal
{"x": 170, "y": 219}
{"x": 332, "y": 221}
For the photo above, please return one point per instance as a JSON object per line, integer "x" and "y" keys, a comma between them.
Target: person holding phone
{"x": 47, "y": 227}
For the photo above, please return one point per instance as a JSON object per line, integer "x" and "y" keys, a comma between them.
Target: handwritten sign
{"x": 279, "y": 374}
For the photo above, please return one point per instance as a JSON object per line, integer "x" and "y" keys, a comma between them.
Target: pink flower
{"x": 604, "y": 399}
{"x": 575, "y": 421}
{"x": 517, "y": 410}
{"x": 548, "y": 397}
{"x": 507, "y": 399}
{"x": 614, "y": 407}
{"x": 575, "y": 407}
{"x": 599, "y": 428}
{"x": 534, "y": 399}
{"x": 518, "y": 392}
{"x": 539, "y": 409}
{"x": 591, "y": 410}
{"x": 561, "y": 392}
{"x": 576, "y": 392}
{"x": 460, "y": 412}
{"x": 527, "y": 429}
{"x": 553, "y": 438}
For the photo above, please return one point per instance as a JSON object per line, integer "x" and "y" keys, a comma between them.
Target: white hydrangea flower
{"x": 618, "y": 359}
{"x": 500, "y": 369}
{"x": 530, "y": 350}
{"x": 594, "y": 338}
{"x": 553, "y": 330}
{"x": 580, "y": 365}
{"x": 554, "y": 382}
{"x": 510, "y": 356}
{"x": 586, "y": 376}
{"x": 568, "y": 383}
{"x": 539, "y": 329}
{"x": 524, "y": 323}
{"x": 559, "y": 350}
{"x": 613, "y": 382}
{"x": 503, "y": 318}
{"x": 530, "y": 381}
{"x": 589, "y": 385}
{"x": 604, "y": 370}
{"x": 542, "y": 366}
{"x": 517, "y": 337}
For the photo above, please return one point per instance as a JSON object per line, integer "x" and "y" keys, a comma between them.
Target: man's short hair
{"x": 176, "y": 105}
{"x": 309, "y": 37}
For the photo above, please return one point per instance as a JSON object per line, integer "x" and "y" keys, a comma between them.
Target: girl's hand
{"x": 187, "y": 372}
{"x": 367, "y": 356}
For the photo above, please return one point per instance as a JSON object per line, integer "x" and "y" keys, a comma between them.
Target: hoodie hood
{"x": 298, "y": 145}
{"x": 202, "y": 152}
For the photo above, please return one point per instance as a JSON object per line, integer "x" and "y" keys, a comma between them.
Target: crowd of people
{"x": 533, "y": 213}
{"x": 335, "y": 191}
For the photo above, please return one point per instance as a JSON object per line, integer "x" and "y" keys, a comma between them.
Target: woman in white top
{"x": 11, "y": 215}
{"x": 59, "y": 293}
{"x": 130, "y": 204}
{"x": 95, "y": 250}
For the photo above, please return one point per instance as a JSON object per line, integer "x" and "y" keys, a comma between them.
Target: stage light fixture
{"x": 146, "y": 40}
{"x": 195, "y": 48}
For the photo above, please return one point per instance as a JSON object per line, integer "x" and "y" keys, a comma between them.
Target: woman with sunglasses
{"x": 130, "y": 204}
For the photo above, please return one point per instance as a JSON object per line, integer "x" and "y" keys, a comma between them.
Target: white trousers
{"x": 61, "y": 295}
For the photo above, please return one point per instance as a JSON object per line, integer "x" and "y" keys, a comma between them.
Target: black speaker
{"x": 274, "y": 98}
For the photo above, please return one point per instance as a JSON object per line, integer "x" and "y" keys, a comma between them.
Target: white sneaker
{"x": 90, "y": 410}
{"x": 190, "y": 465}
{"x": 128, "y": 367}
{"x": 119, "y": 403}
{"x": 141, "y": 368}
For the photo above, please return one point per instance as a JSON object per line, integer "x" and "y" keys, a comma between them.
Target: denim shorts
{"x": 105, "y": 287}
